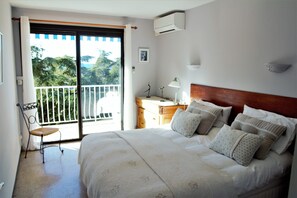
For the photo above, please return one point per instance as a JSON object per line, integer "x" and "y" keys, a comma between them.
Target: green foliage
{"x": 61, "y": 71}
{"x": 105, "y": 71}
{"x": 43, "y": 69}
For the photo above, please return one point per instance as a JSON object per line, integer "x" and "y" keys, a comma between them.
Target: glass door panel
{"x": 100, "y": 83}
{"x": 55, "y": 79}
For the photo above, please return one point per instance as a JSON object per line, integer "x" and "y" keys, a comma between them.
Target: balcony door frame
{"x": 78, "y": 31}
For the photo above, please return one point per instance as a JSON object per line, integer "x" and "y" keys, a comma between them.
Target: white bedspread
{"x": 108, "y": 170}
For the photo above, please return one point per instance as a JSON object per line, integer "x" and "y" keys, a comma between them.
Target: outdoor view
{"x": 55, "y": 79}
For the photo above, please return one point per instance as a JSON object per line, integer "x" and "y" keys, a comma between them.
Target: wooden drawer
{"x": 147, "y": 119}
{"x": 165, "y": 119}
{"x": 151, "y": 112}
{"x": 140, "y": 118}
{"x": 148, "y": 106}
{"x": 171, "y": 109}
{"x": 151, "y": 119}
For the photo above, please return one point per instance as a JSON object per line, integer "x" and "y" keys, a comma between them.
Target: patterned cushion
{"x": 223, "y": 117}
{"x": 268, "y": 131}
{"x": 285, "y": 140}
{"x": 185, "y": 123}
{"x": 208, "y": 116}
{"x": 236, "y": 144}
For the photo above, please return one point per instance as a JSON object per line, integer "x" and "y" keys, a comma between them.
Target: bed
{"x": 160, "y": 162}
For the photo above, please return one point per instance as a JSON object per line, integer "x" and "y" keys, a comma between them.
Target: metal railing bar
{"x": 41, "y": 102}
{"x": 90, "y": 100}
{"x": 53, "y": 104}
{"x": 64, "y": 115}
{"x": 74, "y": 102}
{"x": 84, "y": 102}
{"x": 95, "y": 105}
{"x": 69, "y": 112}
{"x": 59, "y": 114}
{"x": 47, "y": 106}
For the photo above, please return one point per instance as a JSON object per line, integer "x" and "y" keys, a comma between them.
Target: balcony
{"x": 100, "y": 104}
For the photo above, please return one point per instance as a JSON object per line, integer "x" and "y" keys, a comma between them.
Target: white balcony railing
{"x": 58, "y": 104}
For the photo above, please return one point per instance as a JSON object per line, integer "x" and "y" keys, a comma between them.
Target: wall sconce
{"x": 175, "y": 84}
{"x": 276, "y": 67}
{"x": 193, "y": 67}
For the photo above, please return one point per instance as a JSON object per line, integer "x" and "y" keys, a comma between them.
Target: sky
{"x": 60, "y": 45}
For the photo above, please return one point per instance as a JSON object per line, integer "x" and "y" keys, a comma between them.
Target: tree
{"x": 66, "y": 74}
{"x": 86, "y": 58}
{"x": 61, "y": 71}
{"x": 43, "y": 69}
{"x": 105, "y": 71}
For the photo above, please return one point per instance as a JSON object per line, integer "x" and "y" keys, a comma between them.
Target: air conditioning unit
{"x": 170, "y": 23}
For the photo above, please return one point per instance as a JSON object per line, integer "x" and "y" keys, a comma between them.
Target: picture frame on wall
{"x": 1, "y": 58}
{"x": 144, "y": 55}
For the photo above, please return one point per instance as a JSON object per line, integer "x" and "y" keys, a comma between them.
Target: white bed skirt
{"x": 275, "y": 189}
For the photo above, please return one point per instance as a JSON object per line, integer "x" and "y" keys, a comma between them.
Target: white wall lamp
{"x": 193, "y": 67}
{"x": 175, "y": 84}
{"x": 276, "y": 67}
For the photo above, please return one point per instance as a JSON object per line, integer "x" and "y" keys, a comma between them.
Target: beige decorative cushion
{"x": 236, "y": 144}
{"x": 268, "y": 131}
{"x": 285, "y": 140}
{"x": 208, "y": 116}
{"x": 185, "y": 123}
{"x": 223, "y": 117}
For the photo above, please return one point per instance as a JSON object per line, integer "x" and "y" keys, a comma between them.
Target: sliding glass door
{"x": 78, "y": 78}
{"x": 100, "y": 63}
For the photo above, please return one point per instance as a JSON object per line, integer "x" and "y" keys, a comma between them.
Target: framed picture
{"x": 1, "y": 59}
{"x": 144, "y": 55}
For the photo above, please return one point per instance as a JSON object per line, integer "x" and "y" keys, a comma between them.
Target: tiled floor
{"x": 57, "y": 177}
{"x": 70, "y": 130}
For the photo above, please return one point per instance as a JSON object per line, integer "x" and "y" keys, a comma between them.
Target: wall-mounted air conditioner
{"x": 170, "y": 23}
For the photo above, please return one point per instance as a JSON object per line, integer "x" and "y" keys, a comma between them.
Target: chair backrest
{"x": 29, "y": 113}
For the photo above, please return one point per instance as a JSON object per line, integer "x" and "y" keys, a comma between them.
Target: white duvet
{"x": 107, "y": 170}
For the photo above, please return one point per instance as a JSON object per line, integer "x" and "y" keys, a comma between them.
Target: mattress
{"x": 244, "y": 179}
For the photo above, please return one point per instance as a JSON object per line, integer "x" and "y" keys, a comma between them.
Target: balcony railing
{"x": 58, "y": 104}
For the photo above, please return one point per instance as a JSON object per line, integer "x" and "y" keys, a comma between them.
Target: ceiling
{"x": 147, "y": 9}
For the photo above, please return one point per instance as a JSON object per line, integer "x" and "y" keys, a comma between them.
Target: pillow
{"x": 236, "y": 144}
{"x": 268, "y": 131}
{"x": 185, "y": 123}
{"x": 208, "y": 116}
{"x": 282, "y": 144}
{"x": 223, "y": 117}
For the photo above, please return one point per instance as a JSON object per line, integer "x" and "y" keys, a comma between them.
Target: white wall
{"x": 232, "y": 39}
{"x": 142, "y": 37}
{"x": 9, "y": 138}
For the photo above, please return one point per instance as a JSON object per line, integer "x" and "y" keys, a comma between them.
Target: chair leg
{"x": 42, "y": 148}
{"x": 62, "y": 151}
{"x": 27, "y": 145}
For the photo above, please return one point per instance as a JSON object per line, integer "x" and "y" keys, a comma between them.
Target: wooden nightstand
{"x": 151, "y": 112}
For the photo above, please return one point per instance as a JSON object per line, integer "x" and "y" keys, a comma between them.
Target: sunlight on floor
{"x": 57, "y": 177}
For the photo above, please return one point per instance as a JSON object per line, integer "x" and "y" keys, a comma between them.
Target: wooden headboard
{"x": 229, "y": 97}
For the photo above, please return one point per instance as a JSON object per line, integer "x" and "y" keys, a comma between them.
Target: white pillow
{"x": 223, "y": 117}
{"x": 282, "y": 144}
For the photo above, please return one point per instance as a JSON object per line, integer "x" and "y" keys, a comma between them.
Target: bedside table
{"x": 151, "y": 112}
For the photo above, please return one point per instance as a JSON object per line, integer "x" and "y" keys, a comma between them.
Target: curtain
{"x": 128, "y": 86}
{"x": 29, "y": 94}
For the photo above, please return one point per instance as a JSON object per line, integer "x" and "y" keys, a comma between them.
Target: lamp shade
{"x": 175, "y": 83}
